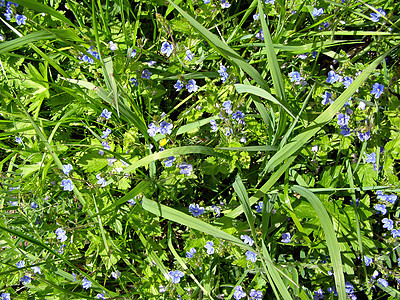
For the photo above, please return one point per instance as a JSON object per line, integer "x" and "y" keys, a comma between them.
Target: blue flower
{"x": 255, "y": 295}
{"x": 34, "y": 205}
{"x": 134, "y": 81}
{"x": 9, "y": 4}
{"x": 256, "y": 16}
{"x": 61, "y": 235}
{"x": 105, "y": 114}
{"x": 101, "y": 180}
{"x": 191, "y": 86}
{"x": 395, "y": 233}
{"x": 106, "y": 133}
{"x": 367, "y": 260}
{"x": 185, "y": 168}
{"x": 36, "y": 270}
{"x": 146, "y": 74}
{"x": 286, "y": 237}
{"x": 20, "y": 19}
{"x": 239, "y": 294}
{"x": 196, "y": 210}
{"x": 206, "y": 1}
{"x": 269, "y": 1}
{"x": 303, "y": 56}
{"x": 371, "y": 158}
{"x": 153, "y": 129}
{"x": 111, "y": 161}
{"x": 67, "y": 184}
{"x": 345, "y": 131}
{"x": 217, "y": 210}
{"x": 314, "y": 54}
{"x": 347, "y": 81}
{"x": 176, "y": 276}
{"x": 67, "y": 169}
{"x": 247, "y": 240}
{"x": 133, "y": 53}
{"x": 260, "y": 35}
{"x": 189, "y": 55}
{"x": 166, "y": 49}
{"x": 25, "y": 279}
{"x": 251, "y": 256}
{"x": 228, "y": 131}
{"x": 376, "y": 16}
{"x": 377, "y": 90}
{"x": 86, "y": 283}
{"x": 5, "y": 296}
{"x": 227, "y": 106}
{"x": 332, "y": 77}
{"x": 364, "y": 136}
{"x": 20, "y": 264}
{"x": 105, "y": 145}
{"x": 318, "y": 294}
{"x": 381, "y": 208}
{"x": 225, "y": 4}
{"x": 131, "y": 202}
{"x": 343, "y": 119}
{"x": 259, "y": 207}
{"x": 294, "y": 76}
{"x": 214, "y": 126}
{"x": 391, "y": 198}
{"x": 113, "y": 46}
{"x": 169, "y": 161}
{"x": 222, "y": 72}
{"x": 239, "y": 117}
{"x": 383, "y": 282}
{"x": 191, "y": 252}
{"x": 316, "y": 12}
{"x": 100, "y": 296}
{"x": 332, "y": 290}
{"x": 18, "y": 140}
{"x": 165, "y": 127}
{"x": 8, "y": 14}
{"x": 361, "y": 105}
{"x": 210, "y": 247}
{"x": 178, "y": 85}
{"x": 349, "y": 288}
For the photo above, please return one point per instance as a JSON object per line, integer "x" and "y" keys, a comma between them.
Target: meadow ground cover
{"x": 196, "y": 149}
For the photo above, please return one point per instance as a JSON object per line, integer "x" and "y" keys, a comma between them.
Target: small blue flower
{"x": 176, "y": 276}
{"x": 395, "y": 233}
{"x": 255, "y": 295}
{"x": 191, "y": 252}
{"x": 260, "y": 35}
{"x": 178, "y": 85}
{"x": 239, "y": 117}
{"x": 100, "y": 296}
{"x": 67, "y": 168}
{"x": 239, "y": 293}
{"x": 333, "y": 77}
{"x": 8, "y": 14}
{"x": 25, "y": 279}
{"x": 113, "y": 46}
{"x": 196, "y": 210}
{"x": 86, "y": 283}
{"x": 185, "y": 168}
{"x": 67, "y": 184}
{"x": 361, "y": 105}
{"x": 303, "y": 56}
{"x": 153, "y": 129}
{"x": 376, "y": 16}
{"x": 364, "y": 136}
{"x": 165, "y": 127}
{"x": 166, "y": 49}
{"x": 383, "y": 282}
{"x": 5, "y": 296}
{"x": 259, "y": 207}
{"x": 347, "y": 81}
{"x": 343, "y": 119}
{"x": 294, "y": 76}
{"x": 106, "y": 133}
{"x": 217, "y": 210}
{"x": 105, "y": 114}
{"x": 222, "y": 72}
{"x": 18, "y": 140}
{"x": 134, "y": 81}
{"x": 191, "y": 86}
{"x": 61, "y": 235}
{"x": 131, "y": 202}
{"x": 34, "y": 205}
{"x": 206, "y": 1}
{"x": 247, "y": 240}
{"x": 146, "y": 74}
{"x": 133, "y": 53}
{"x": 9, "y": 4}
{"x": 251, "y": 256}
{"x": 256, "y": 16}
{"x": 371, "y": 158}
{"x": 314, "y": 54}
{"x": 391, "y": 198}
{"x": 367, "y": 260}
{"x": 214, "y": 126}
{"x": 227, "y": 106}
{"x": 20, "y": 19}
{"x": 318, "y": 294}
{"x": 210, "y": 247}
{"x": 189, "y": 55}
{"x": 286, "y": 237}
{"x": 377, "y": 90}
{"x": 381, "y": 208}
{"x": 316, "y": 12}
{"x": 20, "y": 264}
{"x": 36, "y": 269}
{"x": 225, "y": 4}
{"x": 269, "y": 1}
{"x": 349, "y": 288}
{"x": 106, "y": 145}
{"x": 169, "y": 161}
{"x": 345, "y": 131}
{"x": 101, "y": 180}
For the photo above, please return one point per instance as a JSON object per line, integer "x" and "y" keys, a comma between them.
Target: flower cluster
{"x": 164, "y": 128}
{"x": 89, "y": 59}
